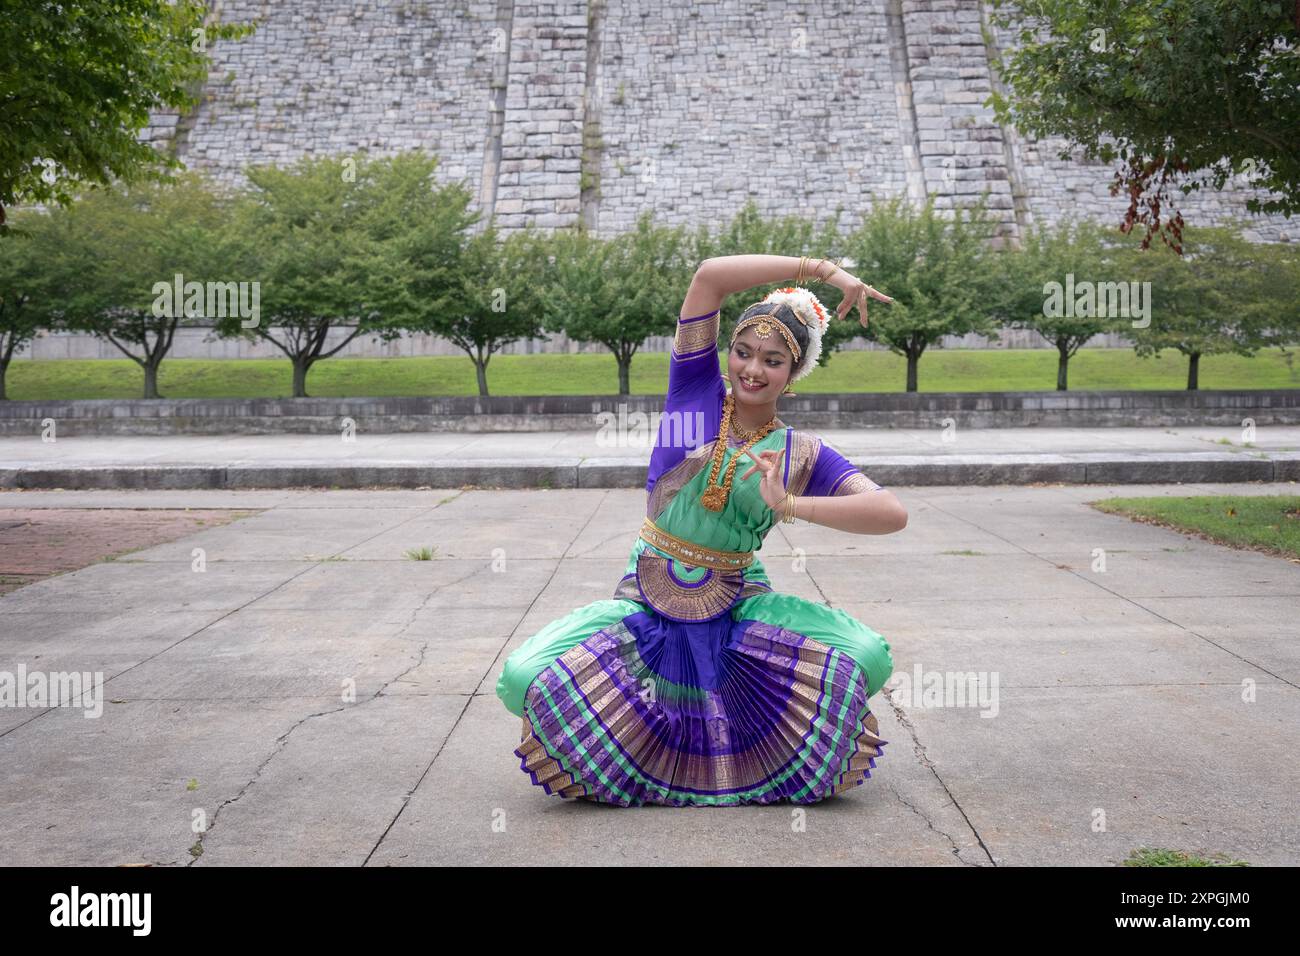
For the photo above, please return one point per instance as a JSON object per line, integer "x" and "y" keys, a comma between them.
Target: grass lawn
{"x": 952, "y": 370}
{"x": 1269, "y": 523}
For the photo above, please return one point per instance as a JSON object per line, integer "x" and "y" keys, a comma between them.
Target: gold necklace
{"x": 715, "y": 496}
{"x": 744, "y": 433}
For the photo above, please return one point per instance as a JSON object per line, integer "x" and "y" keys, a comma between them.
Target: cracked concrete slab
{"x": 1071, "y": 776}
{"x": 334, "y": 781}
{"x": 472, "y": 810}
{"x": 116, "y": 790}
{"x": 1161, "y": 692}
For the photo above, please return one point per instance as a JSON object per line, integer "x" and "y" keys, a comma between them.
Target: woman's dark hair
{"x": 785, "y": 315}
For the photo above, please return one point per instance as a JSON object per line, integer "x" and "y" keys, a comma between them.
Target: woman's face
{"x": 766, "y": 362}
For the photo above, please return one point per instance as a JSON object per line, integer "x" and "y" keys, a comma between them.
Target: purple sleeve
{"x": 693, "y": 365}
{"x": 833, "y": 474}
{"x": 692, "y": 411}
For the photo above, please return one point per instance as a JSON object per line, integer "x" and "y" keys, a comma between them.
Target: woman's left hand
{"x": 772, "y": 486}
{"x": 856, "y": 292}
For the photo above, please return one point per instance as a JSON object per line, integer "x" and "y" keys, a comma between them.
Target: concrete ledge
{"x": 1286, "y": 469}
{"x": 616, "y": 473}
{"x": 522, "y": 413}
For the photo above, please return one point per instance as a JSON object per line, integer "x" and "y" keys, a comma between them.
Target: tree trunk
{"x": 912, "y": 359}
{"x": 1193, "y": 370}
{"x": 151, "y": 380}
{"x": 301, "y": 366}
{"x": 480, "y": 369}
{"x": 7, "y": 349}
{"x": 1062, "y": 366}
{"x": 624, "y": 375}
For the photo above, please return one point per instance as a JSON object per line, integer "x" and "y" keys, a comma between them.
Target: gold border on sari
{"x": 712, "y": 596}
{"x": 803, "y": 454}
{"x": 856, "y": 483}
{"x": 688, "y": 552}
{"x": 697, "y": 335}
{"x": 613, "y": 715}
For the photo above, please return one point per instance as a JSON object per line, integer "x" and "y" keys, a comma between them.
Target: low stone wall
{"x": 253, "y": 416}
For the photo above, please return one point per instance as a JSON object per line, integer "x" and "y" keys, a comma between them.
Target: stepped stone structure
{"x": 556, "y": 112}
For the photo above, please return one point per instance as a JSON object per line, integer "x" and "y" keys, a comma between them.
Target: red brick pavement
{"x": 38, "y": 542}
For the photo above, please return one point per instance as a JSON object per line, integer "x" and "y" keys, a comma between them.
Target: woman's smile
{"x": 751, "y": 386}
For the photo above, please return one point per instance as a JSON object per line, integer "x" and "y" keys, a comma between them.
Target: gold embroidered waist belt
{"x": 688, "y": 552}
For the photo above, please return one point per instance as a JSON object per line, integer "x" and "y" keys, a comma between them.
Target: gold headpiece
{"x": 763, "y": 323}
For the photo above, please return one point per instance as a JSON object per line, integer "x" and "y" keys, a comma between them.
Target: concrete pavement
{"x": 315, "y": 697}
{"x": 593, "y": 458}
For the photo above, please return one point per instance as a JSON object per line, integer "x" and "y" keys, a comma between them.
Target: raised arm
{"x": 719, "y": 277}
{"x": 693, "y": 369}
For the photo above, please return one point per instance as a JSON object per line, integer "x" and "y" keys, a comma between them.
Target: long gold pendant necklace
{"x": 715, "y": 496}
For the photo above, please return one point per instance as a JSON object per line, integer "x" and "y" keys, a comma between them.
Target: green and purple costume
{"x": 695, "y": 685}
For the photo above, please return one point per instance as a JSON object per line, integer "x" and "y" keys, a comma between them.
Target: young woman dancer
{"x": 697, "y": 683}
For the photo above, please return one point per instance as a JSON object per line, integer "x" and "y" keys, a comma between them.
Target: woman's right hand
{"x": 856, "y": 292}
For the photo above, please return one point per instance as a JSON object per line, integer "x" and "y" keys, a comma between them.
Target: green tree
{"x": 1179, "y": 91}
{"x": 1278, "y": 286}
{"x": 492, "y": 298}
{"x": 616, "y": 291}
{"x": 26, "y": 300}
{"x": 1216, "y": 299}
{"x": 328, "y": 241}
{"x": 420, "y": 226}
{"x": 114, "y": 256}
{"x": 78, "y": 80}
{"x": 936, "y": 269}
{"x": 1058, "y": 284}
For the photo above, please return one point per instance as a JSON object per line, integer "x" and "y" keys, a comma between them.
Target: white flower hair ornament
{"x": 808, "y": 310}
